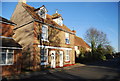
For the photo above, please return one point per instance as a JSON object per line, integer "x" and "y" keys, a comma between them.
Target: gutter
{"x": 11, "y": 47}
{"x": 7, "y": 23}
{"x": 42, "y": 23}
{"x": 53, "y": 26}
{"x": 6, "y": 37}
{"x": 23, "y": 25}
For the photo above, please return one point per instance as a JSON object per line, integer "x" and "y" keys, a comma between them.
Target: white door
{"x": 61, "y": 59}
{"x": 53, "y": 65}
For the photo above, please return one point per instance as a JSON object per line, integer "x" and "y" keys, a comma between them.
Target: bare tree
{"x": 96, "y": 38}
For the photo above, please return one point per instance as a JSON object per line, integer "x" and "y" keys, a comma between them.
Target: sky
{"x": 80, "y": 16}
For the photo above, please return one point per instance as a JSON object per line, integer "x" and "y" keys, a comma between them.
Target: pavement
{"x": 35, "y": 73}
{"x": 109, "y": 70}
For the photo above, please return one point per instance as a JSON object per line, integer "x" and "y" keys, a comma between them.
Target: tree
{"x": 96, "y": 38}
{"x": 109, "y": 49}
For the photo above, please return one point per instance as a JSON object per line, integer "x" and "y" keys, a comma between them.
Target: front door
{"x": 53, "y": 59}
{"x": 61, "y": 59}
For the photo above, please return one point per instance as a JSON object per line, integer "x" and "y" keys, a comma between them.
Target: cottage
{"x": 46, "y": 41}
{"x": 80, "y": 46}
{"x": 10, "y": 50}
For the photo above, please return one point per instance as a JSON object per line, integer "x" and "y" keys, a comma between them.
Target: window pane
{"x": 67, "y": 55}
{"x": 42, "y": 58}
{"x": 2, "y": 58}
{"x": 10, "y": 58}
{"x": 10, "y": 50}
{"x": 67, "y": 35}
{"x": 44, "y": 32}
{"x": 4, "y": 50}
{"x": 44, "y": 55}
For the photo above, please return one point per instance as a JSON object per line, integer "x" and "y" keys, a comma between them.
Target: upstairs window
{"x": 67, "y": 41}
{"x": 6, "y": 57}
{"x": 45, "y": 33}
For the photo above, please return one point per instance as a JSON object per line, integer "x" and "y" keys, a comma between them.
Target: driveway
{"x": 99, "y": 70}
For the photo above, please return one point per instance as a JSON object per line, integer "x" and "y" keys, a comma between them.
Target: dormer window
{"x": 59, "y": 21}
{"x": 42, "y": 12}
{"x": 57, "y": 18}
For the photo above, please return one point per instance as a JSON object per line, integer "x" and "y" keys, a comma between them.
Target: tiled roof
{"x": 9, "y": 43}
{"x": 31, "y": 11}
{"x": 4, "y": 20}
{"x": 56, "y": 15}
{"x": 48, "y": 20}
{"x": 80, "y": 42}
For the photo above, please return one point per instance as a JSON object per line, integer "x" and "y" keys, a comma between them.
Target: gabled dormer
{"x": 42, "y": 11}
{"x": 57, "y": 18}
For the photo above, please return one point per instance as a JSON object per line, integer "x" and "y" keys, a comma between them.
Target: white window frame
{"x": 44, "y": 56}
{"x": 6, "y": 60}
{"x": 45, "y": 32}
{"x": 67, "y": 55}
{"x": 67, "y": 36}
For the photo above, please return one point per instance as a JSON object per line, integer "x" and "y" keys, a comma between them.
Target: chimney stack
{"x": 23, "y": 1}
{"x": 74, "y": 31}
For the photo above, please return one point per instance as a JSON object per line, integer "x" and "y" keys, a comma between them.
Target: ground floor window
{"x": 67, "y": 56}
{"x": 44, "y": 56}
{"x": 6, "y": 57}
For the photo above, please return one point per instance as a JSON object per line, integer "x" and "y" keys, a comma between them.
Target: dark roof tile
{"x": 9, "y": 43}
{"x": 4, "y": 20}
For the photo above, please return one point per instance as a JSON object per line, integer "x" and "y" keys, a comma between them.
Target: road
{"x": 109, "y": 69}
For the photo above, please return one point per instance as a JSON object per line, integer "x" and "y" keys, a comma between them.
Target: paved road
{"x": 100, "y": 70}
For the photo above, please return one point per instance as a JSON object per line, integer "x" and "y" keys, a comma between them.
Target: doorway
{"x": 53, "y": 60}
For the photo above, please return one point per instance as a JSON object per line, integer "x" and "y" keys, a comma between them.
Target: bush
{"x": 103, "y": 57}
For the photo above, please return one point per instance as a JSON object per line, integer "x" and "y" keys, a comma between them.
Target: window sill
{"x": 45, "y": 40}
{"x": 67, "y": 43}
{"x": 67, "y": 61}
{"x": 44, "y": 63}
{"x": 5, "y": 64}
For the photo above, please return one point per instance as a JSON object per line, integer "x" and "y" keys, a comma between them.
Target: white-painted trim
{"x": 41, "y": 46}
{"x": 6, "y": 37}
{"x": 5, "y": 64}
{"x": 44, "y": 63}
{"x": 11, "y": 47}
{"x": 44, "y": 40}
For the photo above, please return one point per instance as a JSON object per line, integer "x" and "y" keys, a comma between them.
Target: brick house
{"x": 10, "y": 50}
{"x": 46, "y": 41}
